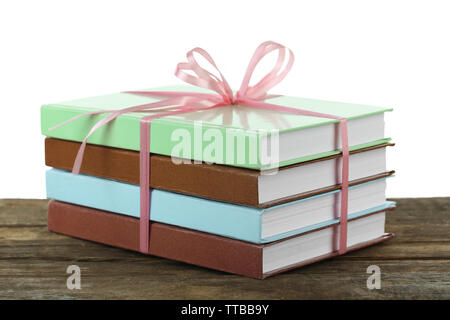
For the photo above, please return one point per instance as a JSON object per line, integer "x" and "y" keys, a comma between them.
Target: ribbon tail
{"x": 79, "y": 159}
{"x": 178, "y": 94}
{"x": 79, "y": 116}
{"x": 114, "y": 114}
{"x": 344, "y": 189}
{"x": 144, "y": 184}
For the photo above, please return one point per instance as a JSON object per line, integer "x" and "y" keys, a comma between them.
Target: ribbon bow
{"x": 184, "y": 102}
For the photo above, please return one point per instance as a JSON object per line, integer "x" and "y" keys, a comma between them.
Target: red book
{"x": 212, "y": 251}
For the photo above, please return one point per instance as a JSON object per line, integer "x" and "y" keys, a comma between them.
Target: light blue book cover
{"x": 224, "y": 219}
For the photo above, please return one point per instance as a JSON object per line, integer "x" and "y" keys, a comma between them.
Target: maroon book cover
{"x": 171, "y": 242}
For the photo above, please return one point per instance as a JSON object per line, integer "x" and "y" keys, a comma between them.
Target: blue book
{"x": 229, "y": 220}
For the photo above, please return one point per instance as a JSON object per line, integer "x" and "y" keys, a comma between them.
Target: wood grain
{"x": 33, "y": 262}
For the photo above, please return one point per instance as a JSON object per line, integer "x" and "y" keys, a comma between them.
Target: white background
{"x": 386, "y": 53}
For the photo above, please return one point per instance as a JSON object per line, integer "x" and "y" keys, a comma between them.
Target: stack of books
{"x": 216, "y": 200}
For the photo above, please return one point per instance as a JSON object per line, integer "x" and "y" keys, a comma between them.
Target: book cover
{"x": 217, "y": 182}
{"x": 230, "y": 123}
{"x": 171, "y": 242}
{"x": 229, "y": 220}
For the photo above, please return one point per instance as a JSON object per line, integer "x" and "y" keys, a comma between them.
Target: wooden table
{"x": 33, "y": 263}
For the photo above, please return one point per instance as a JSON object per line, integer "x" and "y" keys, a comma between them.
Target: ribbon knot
{"x": 253, "y": 96}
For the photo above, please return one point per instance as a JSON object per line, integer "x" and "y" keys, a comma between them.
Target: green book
{"x": 232, "y": 135}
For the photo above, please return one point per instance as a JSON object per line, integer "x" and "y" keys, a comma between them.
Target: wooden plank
{"x": 420, "y": 219}
{"x": 33, "y": 262}
{"x": 19, "y": 242}
{"x": 162, "y": 279}
{"x": 17, "y": 212}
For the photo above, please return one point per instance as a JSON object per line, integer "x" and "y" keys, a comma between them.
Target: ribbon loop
{"x": 271, "y": 79}
{"x": 204, "y": 79}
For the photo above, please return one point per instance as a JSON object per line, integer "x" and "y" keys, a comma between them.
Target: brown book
{"x": 219, "y": 182}
{"x": 211, "y": 251}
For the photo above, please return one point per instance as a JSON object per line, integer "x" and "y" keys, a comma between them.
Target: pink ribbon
{"x": 183, "y": 102}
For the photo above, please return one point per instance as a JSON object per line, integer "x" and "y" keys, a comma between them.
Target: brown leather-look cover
{"x": 212, "y": 181}
{"x": 171, "y": 242}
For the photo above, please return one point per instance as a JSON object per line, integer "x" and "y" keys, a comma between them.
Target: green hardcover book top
{"x": 231, "y": 135}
